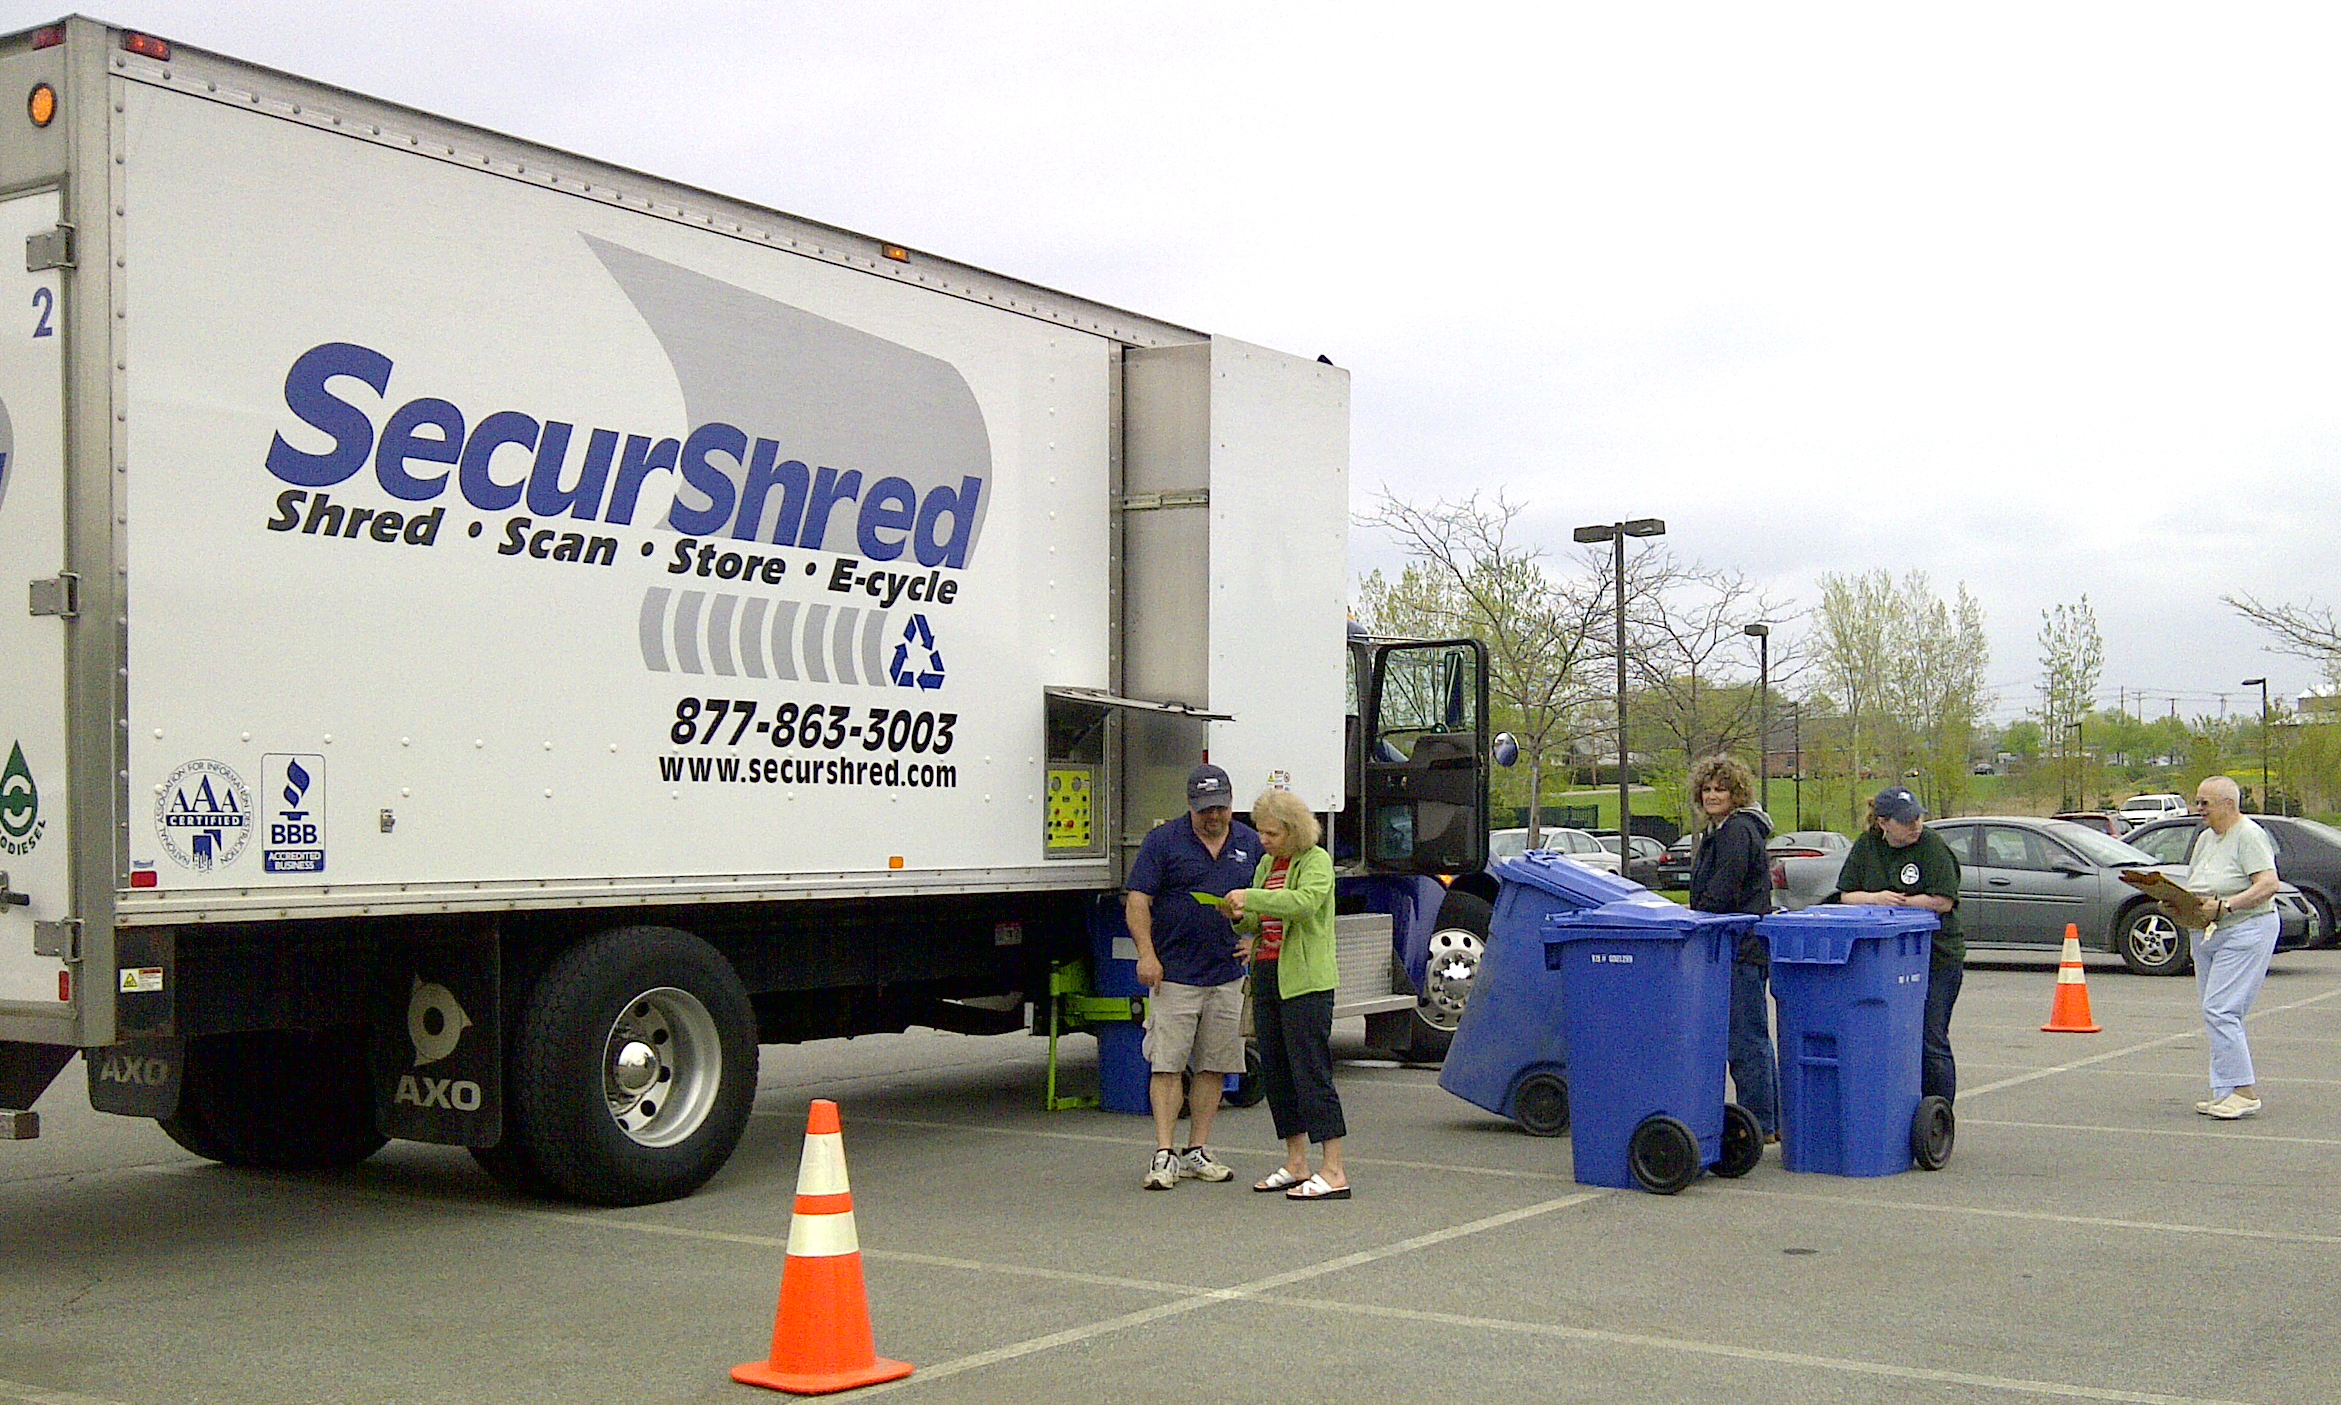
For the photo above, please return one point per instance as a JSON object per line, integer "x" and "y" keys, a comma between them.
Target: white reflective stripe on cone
{"x": 822, "y": 1236}
{"x": 822, "y": 1171}
{"x": 2071, "y": 975}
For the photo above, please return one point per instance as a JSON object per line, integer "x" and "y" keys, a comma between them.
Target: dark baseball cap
{"x": 1208, "y": 786}
{"x": 1896, "y": 803}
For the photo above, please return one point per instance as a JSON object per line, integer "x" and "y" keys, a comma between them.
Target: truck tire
{"x": 1457, "y": 946}
{"x": 278, "y": 1100}
{"x": 634, "y": 1072}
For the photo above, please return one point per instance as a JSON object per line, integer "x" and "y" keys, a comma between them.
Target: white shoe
{"x": 2233, "y": 1106}
{"x": 1198, "y": 1162}
{"x": 1164, "y": 1173}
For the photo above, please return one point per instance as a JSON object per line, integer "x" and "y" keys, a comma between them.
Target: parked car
{"x": 2105, "y": 822}
{"x": 2022, "y": 880}
{"x": 1642, "y": 866}
{"x": 1572, "y": 843}
{"x": 2308, "y": 856}
{"x": 1805, "y": 864}
{"x": 2146, "y": 809}
{"x": 1674, "y": 869}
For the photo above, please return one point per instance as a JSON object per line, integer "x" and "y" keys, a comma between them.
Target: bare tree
{"x": 1470, "y": 573}
{"x": 2310, "y": 631}
{"x": 1695, "y": 663}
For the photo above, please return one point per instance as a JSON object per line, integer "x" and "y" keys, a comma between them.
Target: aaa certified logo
{"x": 203, "y": 816}
{"x": 20, "y": 805}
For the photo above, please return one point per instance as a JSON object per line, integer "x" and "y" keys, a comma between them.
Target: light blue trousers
{"x": 2229, "y": 966}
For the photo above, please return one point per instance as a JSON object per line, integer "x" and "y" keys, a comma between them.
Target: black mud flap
{"x": 137, "y": 1077}
{"x": 438, "y": 1042}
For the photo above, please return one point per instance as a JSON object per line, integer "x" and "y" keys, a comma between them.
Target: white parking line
{"x": 2015, "y": 1385}
{"x": 1202, "y": 1298}
{"x": 2126, "y": 1050}
{"x": 2201, "y": 1128}
{"x": 38, "y": 1395}
{"x": 1900, "y": 1207}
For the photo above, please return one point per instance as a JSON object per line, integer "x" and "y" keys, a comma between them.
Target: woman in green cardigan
{"x": 1286, "y": 917}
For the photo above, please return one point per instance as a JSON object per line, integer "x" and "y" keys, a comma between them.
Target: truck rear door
{"x": 34, "y": 598}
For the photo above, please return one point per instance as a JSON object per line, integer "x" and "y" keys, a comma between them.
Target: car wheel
{"x": 1540, "y": 1104}
{"x": 1663, "y": 1154}
{"x": 1743, "y": 1142}
{"x": 2150, "y": 943}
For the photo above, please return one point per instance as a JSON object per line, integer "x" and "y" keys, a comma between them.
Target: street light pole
{"x": 1762, "y": 634}
{"x": 2262, "y": 684}
{"x": 1617, "y": 532}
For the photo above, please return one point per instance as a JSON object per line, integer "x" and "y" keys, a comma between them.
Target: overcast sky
{"x": 2041, "y": 298}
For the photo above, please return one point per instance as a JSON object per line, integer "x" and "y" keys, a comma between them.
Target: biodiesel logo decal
{"x": 21, "y": 824}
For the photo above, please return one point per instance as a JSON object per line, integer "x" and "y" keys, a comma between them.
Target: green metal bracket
{"x": 1072, "y": 1009}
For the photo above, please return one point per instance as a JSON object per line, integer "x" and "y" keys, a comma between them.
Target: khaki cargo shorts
{"x": 1196, "y": 1024}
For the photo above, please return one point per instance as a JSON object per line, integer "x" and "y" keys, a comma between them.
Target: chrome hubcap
{"x": 1448, "y": 972}
{"x": 661, "y": 1065}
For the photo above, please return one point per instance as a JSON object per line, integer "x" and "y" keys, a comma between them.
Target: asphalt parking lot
{"x": 2091, "y": 1239}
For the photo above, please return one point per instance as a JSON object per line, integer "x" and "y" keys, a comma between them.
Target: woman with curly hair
{"x": 1732, "y": 874}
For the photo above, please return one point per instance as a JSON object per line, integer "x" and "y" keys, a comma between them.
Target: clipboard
{"x": 2193, "y": 908}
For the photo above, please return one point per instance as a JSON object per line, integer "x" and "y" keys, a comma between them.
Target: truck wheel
{"x": 1540, "y": 1104}
{"x": 1456, "y": 947}
{"x": 2150, "y": 943}
{"x": 635, "y": 1069}
{"x": 278, "y": 1100}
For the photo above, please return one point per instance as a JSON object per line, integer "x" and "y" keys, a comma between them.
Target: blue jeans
{"x": 1755, "y": 1069}
{"x": 1938, "y": 1076}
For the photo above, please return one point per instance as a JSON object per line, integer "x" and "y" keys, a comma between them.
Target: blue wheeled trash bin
{"x": 1851, "y": 987}
{"x": 1508, "y": 1054}
{"x": 1648, "y": 1014}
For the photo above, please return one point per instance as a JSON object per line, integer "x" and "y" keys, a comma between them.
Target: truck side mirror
{"x": 1504, "y": 749}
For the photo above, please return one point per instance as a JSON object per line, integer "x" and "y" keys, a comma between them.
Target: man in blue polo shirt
{"x": 1187, "y": 959}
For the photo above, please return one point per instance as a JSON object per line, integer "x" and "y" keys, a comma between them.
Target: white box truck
{"x": 506, "y": 635}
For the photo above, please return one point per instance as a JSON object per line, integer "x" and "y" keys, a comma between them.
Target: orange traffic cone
{"x": 2070, "y": 1013}
{"x": 821, "y": 1338}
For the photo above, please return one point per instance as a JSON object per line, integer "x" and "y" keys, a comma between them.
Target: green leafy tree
{"x": 1907, "y": 669}
{"x": 2072, "y": 656}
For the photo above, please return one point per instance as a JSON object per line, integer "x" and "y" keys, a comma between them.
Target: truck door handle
{"x": 9, "y": 897}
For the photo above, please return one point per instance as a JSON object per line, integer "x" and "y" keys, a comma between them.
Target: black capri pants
{"x": 1296, "y": 1058}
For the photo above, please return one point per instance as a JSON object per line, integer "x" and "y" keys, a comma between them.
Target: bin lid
{"x": 1567, "y": 879}
{"x": 1633, "y": 921}
{"x": 1824, "y": 935}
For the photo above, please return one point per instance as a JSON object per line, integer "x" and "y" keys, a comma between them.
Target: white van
{"x": 2145, "y": 809}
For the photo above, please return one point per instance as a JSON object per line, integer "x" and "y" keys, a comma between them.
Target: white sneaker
{"x": 1164, "y": 1173}
{"x": 2233, "y": 1106}
{"x": 1198, "y": 1162}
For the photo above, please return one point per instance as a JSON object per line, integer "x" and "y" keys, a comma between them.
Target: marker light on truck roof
{"x": 895, "y": 252}
{"x": 147, "y": 46}
{"x": 41, "y": 104}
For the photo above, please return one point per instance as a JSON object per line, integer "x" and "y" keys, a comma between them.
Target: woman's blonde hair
{"x": 1292, "y": 812}
{"x": 1727, "y": 771}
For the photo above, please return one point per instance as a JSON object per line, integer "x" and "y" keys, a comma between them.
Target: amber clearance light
{"x": 41, "y": 104}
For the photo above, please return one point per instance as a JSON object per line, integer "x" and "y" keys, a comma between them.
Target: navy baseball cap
{"x": 1896, "y": 803}
{"x": 1208, "y": 786}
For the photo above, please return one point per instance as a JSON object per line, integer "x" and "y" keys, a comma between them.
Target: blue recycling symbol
{"x": 902, "y": 671}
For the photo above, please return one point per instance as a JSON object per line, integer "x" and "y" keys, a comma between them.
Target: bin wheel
{"x": 1248, "y": 1089}
{"x": 1743, "y": 1142}
{"x": 1664, "y": 1155}
{"x": 1541, "y": 1104}
{"x": 1932, "y": 1130}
